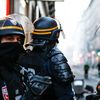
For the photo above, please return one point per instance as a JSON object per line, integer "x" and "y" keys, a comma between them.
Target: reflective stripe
{"x": 11, "y": 27}
{"x": 41, "y": 33}
{"x": 50, "y": 29}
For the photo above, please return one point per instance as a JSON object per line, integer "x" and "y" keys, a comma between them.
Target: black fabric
{"x": 34, "y": 60}
{"x": 40, "y": 60}
{"x": 9, "y": 53}
{"x": 12, "y": 80}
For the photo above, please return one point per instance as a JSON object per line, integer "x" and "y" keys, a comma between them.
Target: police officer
{"x": 14, "y": 84}
{"x": 47, "y": 59}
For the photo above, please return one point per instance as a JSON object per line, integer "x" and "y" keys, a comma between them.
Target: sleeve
{"x": 60, "y": 68}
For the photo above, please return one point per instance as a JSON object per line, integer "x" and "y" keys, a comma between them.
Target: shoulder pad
{"x": 54, "y": 51}
{"x": 57, "y": 56}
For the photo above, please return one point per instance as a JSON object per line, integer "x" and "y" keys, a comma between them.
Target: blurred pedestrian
{"x": 86, "y": 71}
{"x": 98, "y": 66}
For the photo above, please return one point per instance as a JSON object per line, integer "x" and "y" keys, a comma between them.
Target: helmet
{"x": 9, "y": 26}
{"x": 45, "y": 28}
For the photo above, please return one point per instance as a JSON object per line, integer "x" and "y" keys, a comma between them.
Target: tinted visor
{"x": 38, "y": 42}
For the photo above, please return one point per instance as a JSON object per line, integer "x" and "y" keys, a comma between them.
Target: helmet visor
{"x": 24, "y": 21}
{"x": 38, "y": 42}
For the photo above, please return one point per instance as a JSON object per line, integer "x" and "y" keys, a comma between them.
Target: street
{"x": 92, "y": 78}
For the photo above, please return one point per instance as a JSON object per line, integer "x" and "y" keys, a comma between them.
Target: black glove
{"x": 38, "y": 83}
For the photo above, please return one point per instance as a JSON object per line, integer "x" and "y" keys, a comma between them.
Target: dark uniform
{"x": 86, "y": 70}
{"x": 98, "y": 66}
{"x": 47, "y": 59}
{"x": 16, "y": 82}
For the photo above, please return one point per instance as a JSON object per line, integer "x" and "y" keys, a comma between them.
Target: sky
{"x": 3, "y": 8}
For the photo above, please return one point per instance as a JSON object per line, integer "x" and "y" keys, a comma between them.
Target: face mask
{"x": 9, "y": 52}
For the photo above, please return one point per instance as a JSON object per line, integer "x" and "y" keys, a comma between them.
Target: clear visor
{"x": 24, "y": 21}
{"x": 26, "y": 24}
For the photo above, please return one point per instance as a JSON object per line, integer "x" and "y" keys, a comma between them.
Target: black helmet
{"x": 9, "y": 26}
{"x": 46, "y": 28}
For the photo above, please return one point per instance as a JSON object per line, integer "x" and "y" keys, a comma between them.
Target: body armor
{"x": 54, "y": 64}
{"x": 47, "y": 60}
{"x": 61, "y": 69}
